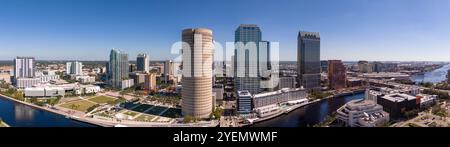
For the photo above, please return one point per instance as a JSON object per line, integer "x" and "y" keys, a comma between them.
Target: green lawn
{"x": 80, "y": 105}
{"x": 102, "y": 99}
{"x": 144, "y": 118}
{"x": 131, "y": 113}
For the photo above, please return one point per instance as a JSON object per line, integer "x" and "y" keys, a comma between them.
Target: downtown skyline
{"x": 351, "y": 30}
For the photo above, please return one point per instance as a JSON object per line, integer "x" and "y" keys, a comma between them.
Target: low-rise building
{"x": 427, "y": 100}
{"x": 269, "y": 103}
{"x": 126, "y": 83}
{"x": 26, "y": 82}
{"x": 362, "y": 113}
{"x": 44, "y": 91}
{"x": 398, "y": 103}
{"x": 5, "y": 77}
{"x": 48, "y": 78}
{"x": 282, "y": 96}
{"x": 85, "y": 79}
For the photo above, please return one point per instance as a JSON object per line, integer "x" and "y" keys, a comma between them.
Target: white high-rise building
{"x": 168, "y": 70}
{"x": 24, "y": 67}
{"x": 74, "y": 68}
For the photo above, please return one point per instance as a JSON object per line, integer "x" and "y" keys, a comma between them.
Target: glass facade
{"x": 308, "y": 58}
{"x": 118, "y": 68}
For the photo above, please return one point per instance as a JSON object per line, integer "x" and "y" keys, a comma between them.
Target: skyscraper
{"x": 377, "y": 67}
{"x": 246, "y": 66}
{"x": 168, "y": 70}
{"x": 337, "y": 74}
{"x": 75, "y": 68}
{"x": 150, "y": 81}
{"x": 364, "y": 67}
{"x": 308, "y": 60}
{"x": 197, "y": 72}
{"x": 118, "y": 68}
{"x": 24, "y": 67}
{"x": 143, "y": 62}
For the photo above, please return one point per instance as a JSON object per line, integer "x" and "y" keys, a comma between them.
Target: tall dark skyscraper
{"x": 249, "y": 58}
{"x": 142, "y": 63}
{"x": 118, "y": 67}
{"x": 308, "y": 60}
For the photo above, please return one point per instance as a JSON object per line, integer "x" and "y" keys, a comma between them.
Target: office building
{"x": 139, "y": 78}
{"x": 324, "y": 66}
{"x": 244, "y": 102}
{"x": 396, "y": 104}
{"x": 246, "y": 54}
{"x": 308, "y": 60}
{"x": 168, "y": 70}
{"x": 74, "y": 68}
{"x": 377, "y": 67}
{"x": 286, "y": 82}
{"x": 364, "y": 67}
{"x": 337, "y": 74}
{"x": 362, "y": 113}
{"x": 118, "y": 69}
{"x": 142, "y": 63}
{"x": 197, "y": 72}
{"x": 132, "y": 67}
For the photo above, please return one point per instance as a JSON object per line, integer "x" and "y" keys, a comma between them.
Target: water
{"x": 310, "y": 114}
{"x": 20, "y": 115}
{"x": 434, "y": 76}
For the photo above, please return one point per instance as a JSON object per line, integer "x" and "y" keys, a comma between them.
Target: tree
{"x": 188, "y": 119}
{"x": 218, "y": 112}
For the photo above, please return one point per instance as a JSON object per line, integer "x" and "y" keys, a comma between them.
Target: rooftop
{"x": 397, "y": 97}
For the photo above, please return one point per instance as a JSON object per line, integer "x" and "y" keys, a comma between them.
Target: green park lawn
{"x": 80, "y": 105}
{"x": 102, "y": 99}
{"x": 144, "y": 118}
{"x": 131, "y": 113}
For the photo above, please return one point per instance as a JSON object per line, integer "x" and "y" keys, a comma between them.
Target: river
{"x": 434, "y": 76}
{"x": 309, "y": 115}
{"x": 20, "y": 115}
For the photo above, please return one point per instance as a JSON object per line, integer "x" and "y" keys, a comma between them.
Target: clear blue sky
{"x": 350, "y": 29}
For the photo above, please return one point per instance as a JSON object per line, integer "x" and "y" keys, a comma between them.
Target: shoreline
{"x": 302, "y": 105}
{"x": 109, "y": 123}
{"x": 51, "y": 111}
